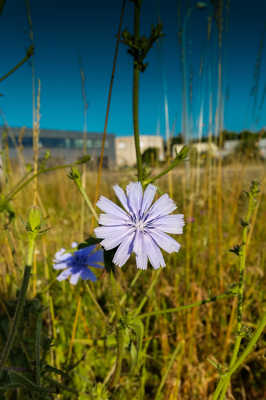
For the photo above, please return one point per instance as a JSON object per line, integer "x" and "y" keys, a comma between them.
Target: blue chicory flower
{"x": 77, "y": 264}
{"x": 141, "y": 227}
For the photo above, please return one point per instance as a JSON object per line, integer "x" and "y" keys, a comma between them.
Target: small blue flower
{"x": 77, "y": 264}
{"x": 141, "y": 227}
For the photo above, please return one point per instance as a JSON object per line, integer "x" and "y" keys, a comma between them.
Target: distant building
{"x": 231, "y": 145}
{"x": 66, "y": 145}
{"x": 125, "y": 148}
{"x": 262, "y": 148}
{"x": 228, "y": 147}
{"x": 201, "y": 147}
{"x": 119, "y": 150}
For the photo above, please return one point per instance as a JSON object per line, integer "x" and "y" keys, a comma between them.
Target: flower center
{"x": 140, "y": 225}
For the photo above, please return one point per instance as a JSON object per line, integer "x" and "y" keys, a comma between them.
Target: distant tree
{"x": 179, "y": 139}
{"x": 248, "y": 146}
{"x": 247, "y": 135}
{"x": 226, "y": 135}
{"x": 205, "y": 139}
{"x": 229, "y": 135}
{"x": 150, "y": 156}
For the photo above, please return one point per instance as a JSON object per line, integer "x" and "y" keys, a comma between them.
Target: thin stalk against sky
{"x": 99, "y": 175}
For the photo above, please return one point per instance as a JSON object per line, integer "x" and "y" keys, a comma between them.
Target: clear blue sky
{"x": 63, "y": 29}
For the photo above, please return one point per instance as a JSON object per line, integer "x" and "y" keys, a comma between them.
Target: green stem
{"x": 38, "y": 349}
{"x": 87, "y": 200}
{"x": 164, "y": 172}
{"x": 181, "y": 156}
{"x": 20, "y": 305}
{"x": 24, "y": 381}
{"x": 97, "y": 305}
{"x": 136, "y": 94}
{"x": 122, "y": 301}
{"x": 223, "y": 387}
{"x": 225, "y": 380}
{"x": 218, "y": 389}
{"x": 145, "y": 298}
{"x": 119, "y": 357}
{"x": 186, "y": 307}
{"x": 29, "y": 53}
{"x": 119, "y": 335}
{"x": 20, "y": 182}
{"x": 250, "y": 345}
{"x": 169, "y": 366}
{"x": 242, "y": 264}
{"x": 14, "y": 191}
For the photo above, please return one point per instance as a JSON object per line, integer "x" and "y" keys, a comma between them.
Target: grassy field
{"x": 171, "y": 355}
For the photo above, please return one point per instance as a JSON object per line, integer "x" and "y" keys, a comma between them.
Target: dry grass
{"x": 203, "y": 267}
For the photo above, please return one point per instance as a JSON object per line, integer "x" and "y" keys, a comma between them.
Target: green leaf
{"x": 182, "y": 154}
{"x": 108, "y": 256}
{"x": 134, "y": 355}
{"x": 74, "y": 174}
{"x": 29, "y": 167}
{"x": 243, "y": 223}
{"x": 5, "y": 207}
{"x": 43, "y": 160}
{"x": 34, "y": 219}
{"x": 57, "y": 371}
{"x": 236, "y": 249}
{"x": 89, "y": 242}
{"x": 19, "y": 379}
{"x": 84, "y": 159}
{"x": 126, "y": 335}
{"x": 137, "y": 327}
{"x": 61, "y": 386}
{"x": 9, "y": 386}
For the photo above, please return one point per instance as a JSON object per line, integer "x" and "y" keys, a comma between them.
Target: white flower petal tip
{"x": 120, "y": 194}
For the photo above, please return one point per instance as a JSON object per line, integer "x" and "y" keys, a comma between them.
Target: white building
{"x": 262, "y": 148}
{"x": 200, "y": 147}
{"x": 125, "y": 148}
{"x": 229, "y": 148}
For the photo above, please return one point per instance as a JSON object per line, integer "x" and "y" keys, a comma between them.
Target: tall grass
{"x": 185, "y": 339}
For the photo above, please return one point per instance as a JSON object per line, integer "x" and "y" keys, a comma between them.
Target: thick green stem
{"x": 20, "y": 305}
{"x": 225, "y": 380}
{"x": 250, "y": 345}
{"x": 38, "y": 349}
{"x": 136, "y": 94}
